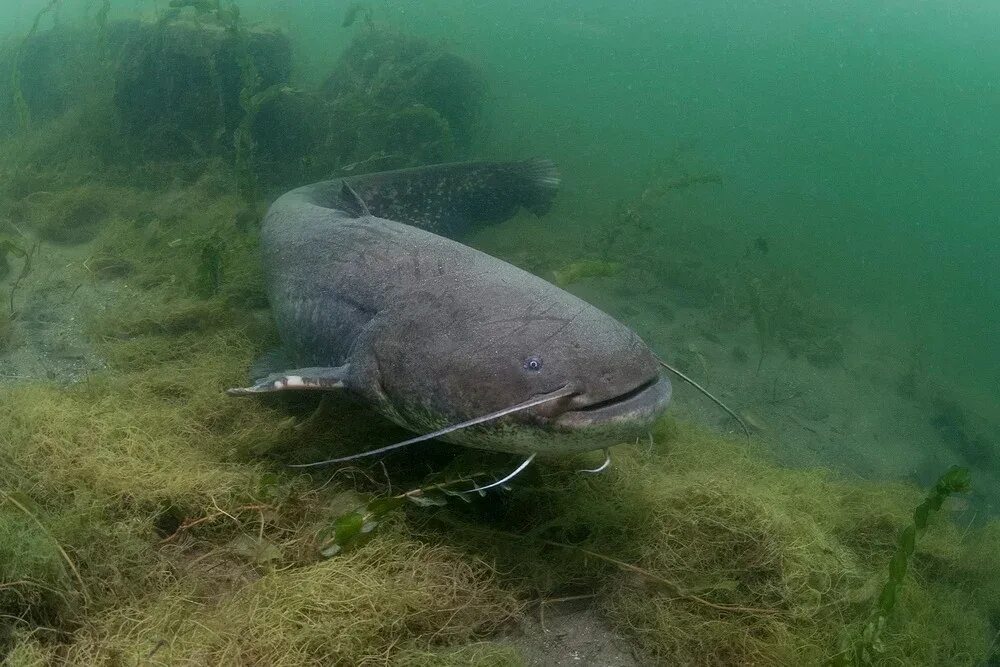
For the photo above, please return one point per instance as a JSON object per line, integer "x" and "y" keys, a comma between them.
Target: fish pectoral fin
{"x": 272, "y": 362}
{"x": 321, "y": 378}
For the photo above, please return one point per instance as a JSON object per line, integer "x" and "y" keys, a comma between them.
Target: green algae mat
{"x": 148, "y": 519}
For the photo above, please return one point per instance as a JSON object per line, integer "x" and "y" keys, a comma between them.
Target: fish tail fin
{"x": 541, "y": 183}
{"x": 457, "y": 197}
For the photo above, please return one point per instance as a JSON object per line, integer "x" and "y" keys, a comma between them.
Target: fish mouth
{"x": 640, "y": 405}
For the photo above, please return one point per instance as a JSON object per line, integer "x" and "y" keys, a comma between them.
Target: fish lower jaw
{"x": 638, "y": 410}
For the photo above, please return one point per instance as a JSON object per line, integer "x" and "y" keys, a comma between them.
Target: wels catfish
{"x": 371, "y": 297}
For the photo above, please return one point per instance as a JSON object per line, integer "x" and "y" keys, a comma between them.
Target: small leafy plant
{"x": 355, "y": 528}
{"x": 867, "y": 648}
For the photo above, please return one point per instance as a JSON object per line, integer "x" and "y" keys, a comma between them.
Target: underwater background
{"x": 794, "y": 203}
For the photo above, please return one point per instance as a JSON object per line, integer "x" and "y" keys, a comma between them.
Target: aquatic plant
{"x": 104, "y": 267}
{"x": 252, "y": 98}
{"x": 355, "y": 528}
{"x": 223, "y": 64}
{"x": 255, "y": 89}
{"x": 298, "y": 616}
{"x": 356, "y": 10}
{"x": 869, "y": 647}
{"x": 24, "y": 504}
{"x": 781, "y": 305}
{"x": 208, "y": 277}
{"x": 149, "y": 535}
{"x": 20, "y": 104}
{"x": 762, "y": 320}
{"x": 8, "y": 249}
{"x": 702, "y": 565}
{"x": 194, "y": 543}
{"x": 101, "y": 19}
{"x": 631, "y": 223}
{"x": 26, "y": 267}
{"x": 192, "y": 239}
{"x": 399, "y": 101}
{"x": 661, "y": 187}
{"x": 408, "y": 102}
{"x": 6, "y": 330}
{"x": 783, "y": 310}
{"x": 162, "y": 493}
{"x": 251, "y": 101}
{"x": 587, "y": 268}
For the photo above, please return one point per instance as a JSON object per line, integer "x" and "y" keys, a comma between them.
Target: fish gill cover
{"x": 145, "y": 518}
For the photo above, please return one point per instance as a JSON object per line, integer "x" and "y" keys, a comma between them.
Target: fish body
{"x": 370, "y": 299}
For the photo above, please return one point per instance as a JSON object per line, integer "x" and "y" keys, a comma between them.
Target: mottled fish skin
{"x": 435, "y": 332}
{"x": 449, "y": 199}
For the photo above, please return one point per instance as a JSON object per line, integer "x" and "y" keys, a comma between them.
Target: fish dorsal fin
{"x": 272, "y": 361}
{"x": 455, "y": 198}
{"x": 350, "y": 195}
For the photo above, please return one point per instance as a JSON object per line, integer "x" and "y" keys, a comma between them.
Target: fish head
{"x": 609, "y": 375}
{"x": 601, "y": 376}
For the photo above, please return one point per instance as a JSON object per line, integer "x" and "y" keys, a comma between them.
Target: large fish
{"x": 442, "y": 339}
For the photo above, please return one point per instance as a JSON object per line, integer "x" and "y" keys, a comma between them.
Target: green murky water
{"x": 794, "y": 203}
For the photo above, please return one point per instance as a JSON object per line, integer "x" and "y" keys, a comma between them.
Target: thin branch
{"x": 191, "y": 523}
{"x": 661, "y": 580}
{"x": 676, "y": 589}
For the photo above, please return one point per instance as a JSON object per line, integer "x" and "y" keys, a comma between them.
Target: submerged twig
{"x": 159, "y": 644}
{"x": 191, "y": 523}
{"x": 708, "y": 394}
{"x": 661, "y": 580}
{"x": 675, "y": 588}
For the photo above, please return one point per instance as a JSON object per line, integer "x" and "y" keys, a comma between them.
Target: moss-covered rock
{"x": 177, "y": 91}
{"x": 396, "y": 100}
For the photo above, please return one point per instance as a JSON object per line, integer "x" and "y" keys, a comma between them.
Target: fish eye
{"x": 533, "y": 363}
